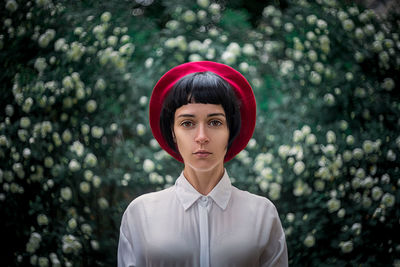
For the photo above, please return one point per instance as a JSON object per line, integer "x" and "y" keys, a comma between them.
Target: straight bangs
{"x": 202, "y": 88}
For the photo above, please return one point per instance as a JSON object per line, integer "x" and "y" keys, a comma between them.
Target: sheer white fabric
{"x": 180, "y": 227}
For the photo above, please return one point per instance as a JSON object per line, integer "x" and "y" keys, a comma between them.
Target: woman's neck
{"x": 204, "y": 181}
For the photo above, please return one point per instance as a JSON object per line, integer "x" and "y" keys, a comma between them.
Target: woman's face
{"x": 201, "y": 134}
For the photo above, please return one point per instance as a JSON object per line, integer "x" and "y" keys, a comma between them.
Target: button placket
{"x": 204, "y": 235}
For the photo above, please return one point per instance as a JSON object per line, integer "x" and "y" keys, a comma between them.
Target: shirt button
{"x": 204, "y": 201}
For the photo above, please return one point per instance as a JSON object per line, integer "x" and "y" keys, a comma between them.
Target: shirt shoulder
{"x": 151, "y": 199}
{"x": 252, "y": 200}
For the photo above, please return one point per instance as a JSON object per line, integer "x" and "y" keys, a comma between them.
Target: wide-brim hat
{"x": 238, "y": 82}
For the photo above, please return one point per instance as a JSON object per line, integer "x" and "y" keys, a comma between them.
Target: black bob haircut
{"x": 204, "y": 88}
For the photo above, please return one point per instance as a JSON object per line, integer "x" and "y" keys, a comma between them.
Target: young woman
{"x": 203, "y": 114}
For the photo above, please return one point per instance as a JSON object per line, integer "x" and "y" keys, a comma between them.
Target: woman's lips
{"x": 202, "y": 154}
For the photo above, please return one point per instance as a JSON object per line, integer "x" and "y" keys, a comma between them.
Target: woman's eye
{"x": 215, "y": 123}
{"x": 186, "y": 124}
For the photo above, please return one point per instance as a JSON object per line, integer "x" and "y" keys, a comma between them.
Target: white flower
{"x": 25, "y": 122}
{"x": 358, "y": 153}
{"x": 288, "y": 27}
{"x": 149, "y": 62}
{"x": 330, "y": 137}
{"x": 228, "y": 57}
{"x": 105, "y": 17}
{"x": 46, "y": 38}
{"x": 269, "y": 11}
{"x": 391, "y": 155}
{"x": 311, "y": 19}
{"x": 350, "y": 140}
{"x": 329, "y": 150}
{"x": 263, "y": 184}
{"x": 309, "y": 241}
{"x": 388, "y": 84}
{"x": 311, "y": 139}
{"x": 172, "y": 25}
{"x": 43, "y": 262}
{"x": 290, "y": 217}
{"x": 84, "y": 187}
{"x": 127, "y": 49}
{"x": 287, "y": 66}
{"x": 100, "y": 84}
{"x": 298, "y": 136}
{"x": 376, "y": 193}
{"x": 103, "y": 203}
{"x": 311, "y": 36}
{"x": 140, "y": 129}
{"x": 341, "y": 213}
{"x": 388, "y": 200}
{"x": 244, "y": 66}
{"x": 329, "y": 99}
{"x": 86, "y": 229}
{"x": 59, "y": 44}
{"x": 322, "y": 24}
{"x": 299, "y": 167}
{"x": 315, "y": 78}
{"x": 346, "y": 246}
{"x": 248, "y": 49}
{"x": 368, "y": 146}
{"x": 48, "y": 162}
{"x": 40, "y": 64}
{"x": 11, "y": 5}
{"x": 91, "y": 106}
{"x": 274, "y": 191}
{"x": 70, "y": 244}
{"x": 72, "y": 224}
{"x": 348, "y": 25}
{"x": 26, "y": 153}
{"x": 333, "y": 205}
{"x": 112, "y": 40}
{"x": 42, "y": 219}
{"x": 234, "y": 48}
{"x": 91, "y": 160}
{"x": 306, "y": 130}
{"x": 66, "y": 193}
{"x": 203, "y": 3}
{"x": 267, "y": 173}
{"x": 319, "y": 185}
{"x": 195, "y": 57}
{"x": 78, "y": 148}
{"x": 368, "y": 182}
{"x": 74, "y": 165}
{"x": 189, "y": 16}
{"x": 95, "y": 244}
{"x": 312, "y": 55}
{"x": 97, "y": 132}
{"x": 300, "y": 188}
{"x": 96, "y": 181}
{"x": 214, "y": 8}
{"x": 283, "y": 151}
{"x": 148, "y": 166}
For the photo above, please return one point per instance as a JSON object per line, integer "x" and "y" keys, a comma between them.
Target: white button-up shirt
{"x": 178, "y": 226}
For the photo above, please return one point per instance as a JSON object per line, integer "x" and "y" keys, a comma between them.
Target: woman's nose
{"x": 201, "y": 135}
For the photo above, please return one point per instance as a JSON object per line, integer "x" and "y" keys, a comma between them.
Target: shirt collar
{"x": 187, "y": 195}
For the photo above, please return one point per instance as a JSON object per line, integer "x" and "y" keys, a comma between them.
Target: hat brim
{"x": 238, "y": 82}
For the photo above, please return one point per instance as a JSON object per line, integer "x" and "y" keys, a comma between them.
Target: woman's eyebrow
{"x": 216, "y": 114}
{"x": 186, "y": 115}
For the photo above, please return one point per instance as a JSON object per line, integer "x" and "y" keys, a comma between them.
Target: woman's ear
{"x": 173, "y": 136}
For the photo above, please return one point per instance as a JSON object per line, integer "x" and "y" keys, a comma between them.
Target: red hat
{"x": 240, "y": 85}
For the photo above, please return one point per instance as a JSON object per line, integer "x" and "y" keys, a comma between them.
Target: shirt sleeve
{"x": 126, "y": 256}
{"x": 275, "y": 252}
